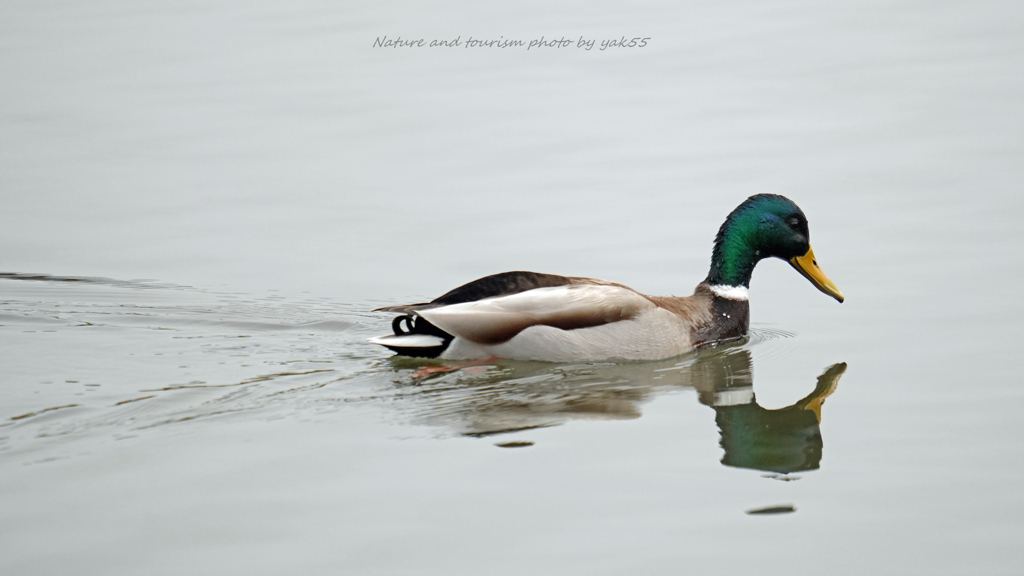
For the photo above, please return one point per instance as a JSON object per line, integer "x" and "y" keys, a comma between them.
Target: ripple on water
{"x": 122, "y": 356}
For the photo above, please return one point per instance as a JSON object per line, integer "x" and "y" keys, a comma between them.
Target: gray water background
{"x": 201, "y": 202}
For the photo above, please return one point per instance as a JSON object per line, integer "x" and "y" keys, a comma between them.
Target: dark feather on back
{"x": 492, "y": 286}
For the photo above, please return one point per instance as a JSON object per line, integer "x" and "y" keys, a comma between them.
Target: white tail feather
{"x": 408, "y": 340}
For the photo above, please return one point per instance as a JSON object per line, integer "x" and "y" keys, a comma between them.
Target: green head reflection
{"x": 783, "y": 440}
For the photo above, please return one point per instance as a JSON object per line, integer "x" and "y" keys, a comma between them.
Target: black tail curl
{"x": 396, "y": 325}
{"x": 418, "y": 325}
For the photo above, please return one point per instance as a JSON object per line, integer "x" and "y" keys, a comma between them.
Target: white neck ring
{"x": 730, "y": 292}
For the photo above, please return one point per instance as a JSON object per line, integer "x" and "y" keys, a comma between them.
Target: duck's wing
{"x": 570, "y": 306}
{"x": 493, "y": 286}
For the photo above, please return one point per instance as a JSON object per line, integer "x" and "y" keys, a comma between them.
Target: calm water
{"x": 202, "y": 202}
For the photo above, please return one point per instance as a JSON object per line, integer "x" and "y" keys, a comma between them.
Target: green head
{"x": 765, "y": 226}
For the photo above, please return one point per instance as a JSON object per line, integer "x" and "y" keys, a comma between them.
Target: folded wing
{"x": 569, "y": 307}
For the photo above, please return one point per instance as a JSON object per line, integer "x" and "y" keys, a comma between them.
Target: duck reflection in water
{"x": 504, "y": 396}
{"x": 783, "y": 440}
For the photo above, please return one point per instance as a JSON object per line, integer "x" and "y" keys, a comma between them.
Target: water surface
{"x": 202, "y": 204}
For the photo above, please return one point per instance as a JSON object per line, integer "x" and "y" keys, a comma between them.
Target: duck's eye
{"x": 793, "y": 222}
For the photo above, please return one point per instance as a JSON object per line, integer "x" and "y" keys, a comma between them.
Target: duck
{"x": 546, "y": 317}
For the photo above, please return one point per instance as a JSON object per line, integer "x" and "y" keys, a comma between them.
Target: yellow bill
{"x": 827, "y": 384}
{"x": 808, "y": 266}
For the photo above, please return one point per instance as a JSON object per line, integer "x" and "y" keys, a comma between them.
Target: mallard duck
{"x": 533, "y": 316}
